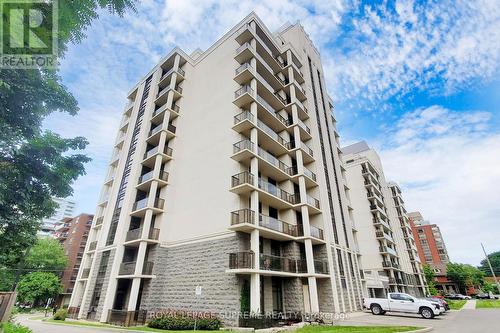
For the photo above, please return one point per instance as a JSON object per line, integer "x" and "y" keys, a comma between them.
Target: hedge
{"x": 179, "y": 322}
{"x": 61, "y": 315}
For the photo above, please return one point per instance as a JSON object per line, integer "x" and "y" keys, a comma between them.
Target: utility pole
{"x": 491, "y": 268}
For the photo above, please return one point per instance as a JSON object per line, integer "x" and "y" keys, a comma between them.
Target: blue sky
{"x": 418, "y": 80}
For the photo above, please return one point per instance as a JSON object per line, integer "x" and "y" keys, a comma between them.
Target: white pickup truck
{"x": 400, "y": 302}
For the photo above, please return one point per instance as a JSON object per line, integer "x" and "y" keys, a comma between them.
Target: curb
{"x": 422, "y": 330}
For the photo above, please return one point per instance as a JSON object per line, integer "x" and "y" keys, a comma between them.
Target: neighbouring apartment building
{"x": 226, "y": 175}
{"x": 72, "y": 233}
{"x": 389, "y": 257}
{"x": 432, "y": 250}
{"x": 65, "y": 209}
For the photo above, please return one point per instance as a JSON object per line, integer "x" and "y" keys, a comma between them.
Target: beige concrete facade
{"x": 235, "y": 146}
{"x": 389, "y": 255}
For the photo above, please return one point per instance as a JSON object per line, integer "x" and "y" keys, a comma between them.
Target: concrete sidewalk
{"x": 470, "y": 305}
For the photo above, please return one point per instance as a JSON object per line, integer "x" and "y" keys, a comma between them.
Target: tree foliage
{"x": 465, "y": 276}
{"x": 47, "y": 254}
{"x": 36, "y": 288}
{"x": 495, "y": 264}
{"x": 36, "y": 165}
{"x": 430, "y": 277}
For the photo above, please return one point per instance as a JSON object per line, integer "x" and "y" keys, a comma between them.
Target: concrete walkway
{"x": 470, "y": 305}
{"x": 38, "y": 326}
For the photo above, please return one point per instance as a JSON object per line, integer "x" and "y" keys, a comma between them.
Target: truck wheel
{"x": 376, "y": 309}
{"x": 426, "y": 313}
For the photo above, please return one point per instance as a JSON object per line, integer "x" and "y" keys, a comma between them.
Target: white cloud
{"x": 447, "y": 165}
{"x": 441, "y": 46}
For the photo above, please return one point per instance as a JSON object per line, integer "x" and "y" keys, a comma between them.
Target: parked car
{"x": 400, "y": 302}
{"x": 459, "y": 297}
{"x": 485, "y": 296}
{"x": 442, "y": 302}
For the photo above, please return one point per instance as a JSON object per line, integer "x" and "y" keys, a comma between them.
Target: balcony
{"x": 159, "y": 113}
{"x": 243, "y": 150}
{"x": 244, "y": 73}
{"x": 382, "y": 235}
{"x": 139, "y": 208}
{"x": 276, "y": 196}
{"x": 316, "y": 232}
{"x": 136, "y": 234}
{"x": 270, "y": 138}
{"x": 270, "y": 262}
{"x": 99, "y": 221}
{"x": 85, "y": 273}
{"x": 155, "y": 133}
{"x": 321, "y": 267}
{"x": 92, "y": 246}
{"x": 307, "y": 153}
{"x": 273, "y": 166}
{"x": 241, "y": 260}
{"x": 166, "y": 76}
{"x": 162, "y": 96}
{"x": 268, "y": 114}
{"x": 144, "y": 181}
{"x": 243, "y": 121}
{"x": 243, "y": 96}
{"x": 242, "y": 182}
{"x": 313, "y": 202}
{"x": 390, "y": 264}
{"x": 128, "y": 268}
{"x": 149, "y": 158}
{"x": 387, "y": 250}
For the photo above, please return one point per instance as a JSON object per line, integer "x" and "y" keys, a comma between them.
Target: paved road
{"x": 464, "y": 321}
{"x": 38, "y": 326}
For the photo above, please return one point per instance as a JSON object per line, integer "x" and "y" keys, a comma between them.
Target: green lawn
{"x": 487, "y": 303}
{"x": 455, "y": 304}
{"x": 356, "y": 329}
{"x": 307, "y": 329}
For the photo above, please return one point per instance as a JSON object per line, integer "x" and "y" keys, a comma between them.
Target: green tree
{"x": 465, "y": 276}
{"x": 36, "y": 165}
{"x": 36, "y": 288}
{"x": 430, "y": 277}
{"x": 48, "y": 255}
{"x": 495, "y": 264}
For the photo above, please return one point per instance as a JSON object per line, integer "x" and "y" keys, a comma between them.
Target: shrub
{"x": 15, "y": 328}
{"x": 183, "y": 322}
{"x": 61, "y": 315}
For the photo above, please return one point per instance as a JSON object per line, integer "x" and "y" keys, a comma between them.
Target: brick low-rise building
{"x": 72, "y": 233}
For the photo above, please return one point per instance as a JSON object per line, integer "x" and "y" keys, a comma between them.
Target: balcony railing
{"x": 242, "y": 178}
{"x": 158, "y": 203}
{"x": 387, "y": 249}
{"x": 271, "y": 159}
{"x": 389, "y": 264}
{"x": 381, "y": 234}
{"x": 316, "y": 232}
{"x": 282, "y": 264}
{"x": 245, "y": 115}
{"x": 242, "y": 68}
{"x": 128, "y": 268}
{"x": 304, "y": 126}
{"x": 85, "y": 273}
{"x": 136, "y": 234}
{"x": 309, "y": 174}
{"x": 269, "y": 131}
{"x": 278, "y": 192}
{"x": 167, "y": 151}
{"x": 149, "y": 175}
{"x": 99, "y": 221}
{"x": 243, "y": 90}
{"x": 313, "y": 202}
{"x": 306, "y": 148}
{"x": 242, "y": 47}
{"x": 241, "y": 260}
{"x": 241, "y": 145}
{"x": 273, "y": 112}
{"x": 181, "y": 71}
{"x": 242, "y": 216}
{"x": 92, "y": 246}
{"x": 272, "y": 223}
{"x": 320, "y": 266}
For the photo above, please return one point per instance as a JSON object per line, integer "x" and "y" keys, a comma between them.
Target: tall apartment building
{"x": 389, "y": 255}
{"x": 226, "y": 175}
{"x": 432, "y": 250}
{"x": 65, "y": 209}
{"x": 72, "y": 233}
